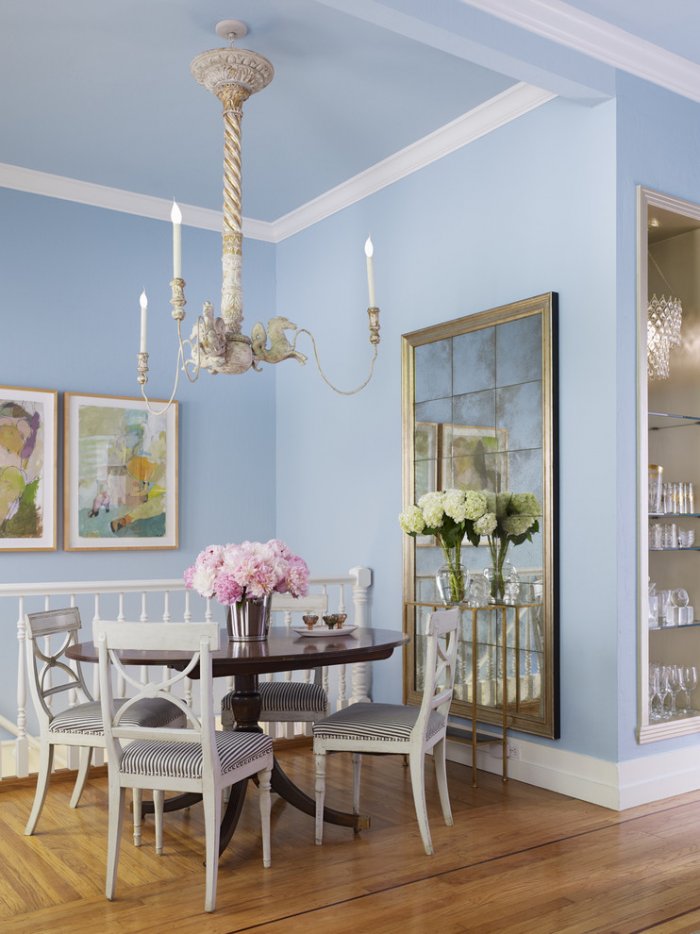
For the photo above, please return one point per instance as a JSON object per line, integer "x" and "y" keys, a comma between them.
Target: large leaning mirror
{"x": 479, "y": 414}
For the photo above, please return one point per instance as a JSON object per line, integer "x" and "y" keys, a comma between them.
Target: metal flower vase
{"x": 249, "y": 620}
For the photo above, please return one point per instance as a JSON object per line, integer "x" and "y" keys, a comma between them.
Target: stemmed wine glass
{"x": 675, "y": 684}
{"x": 665, "y": 691}
{"x": 656, "y": 710}
{"x": 689, "y": 676}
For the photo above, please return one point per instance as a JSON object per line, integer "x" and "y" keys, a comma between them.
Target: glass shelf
{"x": 694, "y": 625}
{"x": 674, "y": 515}
{"x": 661, "y": 420}
{"x": 691, "y": 548}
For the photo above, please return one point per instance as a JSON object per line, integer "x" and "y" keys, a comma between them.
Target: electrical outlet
{"x": 513, "y": 751}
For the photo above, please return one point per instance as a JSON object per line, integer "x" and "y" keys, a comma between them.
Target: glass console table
{"x": 499, "y": 682}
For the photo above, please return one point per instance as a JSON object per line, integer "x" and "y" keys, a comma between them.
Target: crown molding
{"x": 492, "y": 114}
{"x": 568, "y": 26}
{"x": 489, "y": 116}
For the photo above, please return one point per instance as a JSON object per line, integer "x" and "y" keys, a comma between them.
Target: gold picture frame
{"x": 120, "y": 474}
{"x": 28, "y": 468}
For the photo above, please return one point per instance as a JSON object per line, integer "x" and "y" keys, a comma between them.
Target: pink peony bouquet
{"x": 251, "y": 570}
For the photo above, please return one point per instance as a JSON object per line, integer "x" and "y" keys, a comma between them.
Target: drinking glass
{"x": 655, "y": 709}
{"x": 675, "y": 685}
{"x": 690, "y": 682}
{"x": 664, "y": 691}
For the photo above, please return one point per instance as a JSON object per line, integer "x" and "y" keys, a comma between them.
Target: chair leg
{"x": 136, "y": 798}
{"x": 264, "y": 785}
{"x": 42, "y": 783}
{"x": 158, "y": 798}
{"x": 320, "y": 794}
{"x": 439, "y": 757}
{"x": 81, "y": 778}
{"x": 356, "y": 773}
{"x": 212, "y": 821}
{"x": 117, "y": 797}
{"x": 416, "y": 765}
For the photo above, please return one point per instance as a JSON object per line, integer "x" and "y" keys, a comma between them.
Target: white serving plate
{"x": 323, "y": 632}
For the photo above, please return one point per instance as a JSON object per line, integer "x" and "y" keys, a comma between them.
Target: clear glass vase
{"x": 499, "y": 580}
{"x": 451, "y": 581}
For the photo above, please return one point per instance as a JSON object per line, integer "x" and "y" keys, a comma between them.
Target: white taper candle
{"x": 369, "y": 253}
{"x": 143, "y": 302}
{"x": 176, "y": 218}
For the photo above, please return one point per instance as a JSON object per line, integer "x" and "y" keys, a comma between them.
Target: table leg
{"x": 285, "y": 788}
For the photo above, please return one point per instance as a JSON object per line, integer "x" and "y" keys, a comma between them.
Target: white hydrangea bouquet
{"x": 451, "y": 515}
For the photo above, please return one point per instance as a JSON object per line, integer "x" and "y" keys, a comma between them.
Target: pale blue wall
{"x": 525, "y": 210}
{"x": 70, "y": 277}
{"x": 658, "y": 146}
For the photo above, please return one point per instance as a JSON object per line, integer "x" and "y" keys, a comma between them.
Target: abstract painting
{"x": 27, "y": 469}
{"x": 120, "y": 474}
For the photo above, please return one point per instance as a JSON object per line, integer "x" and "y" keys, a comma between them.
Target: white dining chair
{"x": 195, "y": 758}
{"x": 289, "y": 700}
{"x": 399, "y": 729}
{"x": 66, "y": 712}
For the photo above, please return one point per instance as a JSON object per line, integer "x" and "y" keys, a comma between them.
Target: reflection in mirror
{"x": 478, "y": 410}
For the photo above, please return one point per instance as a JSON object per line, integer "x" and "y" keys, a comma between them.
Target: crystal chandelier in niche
{"x": 664, "y": 316}
{"x": 217, "y": 343}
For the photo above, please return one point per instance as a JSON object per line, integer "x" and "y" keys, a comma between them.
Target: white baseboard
{"x": 615, "y": 785}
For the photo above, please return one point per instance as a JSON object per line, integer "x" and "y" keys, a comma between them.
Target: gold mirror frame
{"x": 544, "y": 721}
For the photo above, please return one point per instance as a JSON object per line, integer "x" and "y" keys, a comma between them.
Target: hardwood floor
{"x": 518, "y": 859}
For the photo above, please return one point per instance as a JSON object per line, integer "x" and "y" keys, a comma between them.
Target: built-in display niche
{"x": 669, "y": 466}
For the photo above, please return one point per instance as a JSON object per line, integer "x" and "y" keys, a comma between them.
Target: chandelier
{"x": 663, "y": 331}
{"x": 218, "y": 343}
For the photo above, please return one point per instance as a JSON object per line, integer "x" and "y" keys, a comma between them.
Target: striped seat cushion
{"x": 87, "y": 718}
{"x": 385, "y": 722}
{"x": 184, "y": 760}
{"x": 288, "y": 697}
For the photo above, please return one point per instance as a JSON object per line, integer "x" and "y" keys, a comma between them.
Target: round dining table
{"x": 282, "y": 650}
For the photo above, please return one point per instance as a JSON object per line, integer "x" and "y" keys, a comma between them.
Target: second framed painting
{"x": 120, "y": 474}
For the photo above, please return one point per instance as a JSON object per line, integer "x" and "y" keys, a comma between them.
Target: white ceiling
{"x": 101, "y": 92}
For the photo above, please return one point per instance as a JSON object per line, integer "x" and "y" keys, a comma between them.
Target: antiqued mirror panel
{"x": 478, "y": 414}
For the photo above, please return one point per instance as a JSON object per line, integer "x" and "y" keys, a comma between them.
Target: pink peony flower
{"x": 235, "y": 572}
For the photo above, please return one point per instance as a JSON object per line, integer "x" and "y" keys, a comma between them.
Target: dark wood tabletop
{"x": 283, "y": 650}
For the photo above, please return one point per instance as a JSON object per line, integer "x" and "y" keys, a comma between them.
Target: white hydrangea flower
{"x": 486, "y": 524}
{"x": 517, "y": 525}
{"x": 433, "y": 508}
{"x": 454, "y": 504}
{"x": 412, "y": 521}
{"x": 475, "y": 504}
{"x": 525, "y": 504}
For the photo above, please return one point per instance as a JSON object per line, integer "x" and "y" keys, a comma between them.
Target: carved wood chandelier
{"x": 217, "y": 343}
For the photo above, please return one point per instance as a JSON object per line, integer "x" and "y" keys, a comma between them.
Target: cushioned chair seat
{"x": 87, "y": 718}
{"x": 287, "y": 697}
{"x": 184, "y": 760}
{"x": 385, "y": 722}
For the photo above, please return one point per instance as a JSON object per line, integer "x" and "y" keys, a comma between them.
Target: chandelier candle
{"x": 143, "y": 302}
{"x": 176, "y": 218}
{"x": 369, "y": 253}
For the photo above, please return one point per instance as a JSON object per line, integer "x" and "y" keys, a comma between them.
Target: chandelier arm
{"x": 194, "y": 364}
{"x": 341, "y": 392}
{"x": 164, "y": 409}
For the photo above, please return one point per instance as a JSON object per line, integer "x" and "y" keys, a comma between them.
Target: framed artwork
{"x": 28, "y": 464}
{"x": 426, "y": 469}
{"x": 474, "y": 457}
{"x": 120, "y": 474}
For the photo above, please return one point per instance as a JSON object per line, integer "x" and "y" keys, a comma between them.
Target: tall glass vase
{"x": 499, "y": 549}
{"x": 452, "y": 578}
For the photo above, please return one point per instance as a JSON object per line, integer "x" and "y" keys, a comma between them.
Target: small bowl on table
{"x": 310, "y": 620}
{"x": 335, "y": 620}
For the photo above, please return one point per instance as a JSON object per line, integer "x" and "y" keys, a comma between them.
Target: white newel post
{"x": 361, "y": 672}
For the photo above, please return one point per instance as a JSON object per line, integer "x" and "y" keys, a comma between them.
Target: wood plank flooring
{"x": 519, "y": 859}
